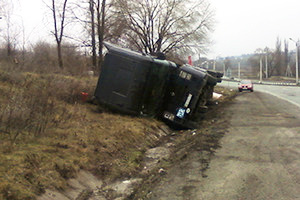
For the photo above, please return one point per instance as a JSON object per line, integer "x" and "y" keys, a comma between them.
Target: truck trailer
{"x": 137, "y": 84}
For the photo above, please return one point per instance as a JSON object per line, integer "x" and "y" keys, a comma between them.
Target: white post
{"x": 267, "y": 65}
{"x": 214, "y": 65}
{"x": 224, "y": 69}
{"x": 260, "y": 70}
{"x": 239, "y": 70}
{"x": 297, "y": 68}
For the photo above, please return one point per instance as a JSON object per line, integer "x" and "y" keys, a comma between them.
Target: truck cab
{"x": 184, "y": 89}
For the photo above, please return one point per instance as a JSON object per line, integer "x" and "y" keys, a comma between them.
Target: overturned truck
{"x": 138, "y": 84}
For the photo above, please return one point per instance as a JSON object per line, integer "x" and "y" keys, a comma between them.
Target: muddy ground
{"x": 173, "y": 147}
{"x": 250, "y": 150}
{"x": 245, "y": 149}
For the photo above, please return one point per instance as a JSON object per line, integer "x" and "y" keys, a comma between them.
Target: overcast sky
{"x": 241, "y": 27}
{"x": 35, "y": 20}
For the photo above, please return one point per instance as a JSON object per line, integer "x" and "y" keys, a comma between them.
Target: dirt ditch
{"x": 172, "y": 150}
{"x": 200, "y": 143}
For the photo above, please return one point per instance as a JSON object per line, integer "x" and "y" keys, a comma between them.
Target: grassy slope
{"x": 77, "y": 136}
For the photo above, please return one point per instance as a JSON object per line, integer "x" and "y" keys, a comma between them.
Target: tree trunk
{"x": 8, "y": 49}
{"x": 58, "y": 34}
{"x": 59, "y": 55}
{"x": 93, "y": 37}
{"x": 101, "y": 30}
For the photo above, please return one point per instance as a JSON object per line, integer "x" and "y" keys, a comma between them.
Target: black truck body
{"x": 136, "y": 84}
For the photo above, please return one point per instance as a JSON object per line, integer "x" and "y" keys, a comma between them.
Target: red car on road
{"x": 245, "y": 85}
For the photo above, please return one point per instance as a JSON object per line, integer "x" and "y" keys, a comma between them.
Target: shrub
{"x": 37, "y": 103}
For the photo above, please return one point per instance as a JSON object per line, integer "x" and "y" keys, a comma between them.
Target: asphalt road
{"x": 258, "y": 157}
{"x": 288, "y": 93}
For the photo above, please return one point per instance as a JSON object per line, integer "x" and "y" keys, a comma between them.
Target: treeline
{"x": 42, "y": 58}
{"x": 176, "y": 28}
{"x": 278, "y": 61}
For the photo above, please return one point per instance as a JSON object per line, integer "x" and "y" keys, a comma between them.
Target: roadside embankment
{"x": 54, "y": 145}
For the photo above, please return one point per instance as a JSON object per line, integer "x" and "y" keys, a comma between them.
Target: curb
{"x": 265, "y": 83}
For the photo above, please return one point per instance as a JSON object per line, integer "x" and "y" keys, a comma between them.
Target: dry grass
{"x": 47, "y": 135}
{"x": 227, "y": 94}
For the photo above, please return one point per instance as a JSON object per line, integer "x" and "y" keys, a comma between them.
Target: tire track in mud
{"x": 192, "y": 150}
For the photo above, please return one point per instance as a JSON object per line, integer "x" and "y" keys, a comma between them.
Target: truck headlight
{"x": 169, "y": 116}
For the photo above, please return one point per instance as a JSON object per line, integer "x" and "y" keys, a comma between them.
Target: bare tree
{"x": 59, "y": 16}
{"x": 94, "y": 25}
{"x": 166, "y": 25}
{"x": 267, "y": 60}
{"x": 93, "y": 33}
{"x": 255, "y": 60}
{"x": 278, "y": 58}
{"x": 286, "y": 56}
{"x": 11, "y": 30}
{"x": 101, "y": 27}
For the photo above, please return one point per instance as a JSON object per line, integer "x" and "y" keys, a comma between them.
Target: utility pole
{"x": 239, "y": 69}
{"x": 297, "y": 63}
{"x": 260, "y": 70}
{"x": 214, "y": 67}
{"x": 267, "y": 76}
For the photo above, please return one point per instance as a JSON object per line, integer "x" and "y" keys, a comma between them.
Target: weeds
{"x": 35, "y": 105}
{"x": 26, "y": 112}
{"x": 47, "y": 135}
